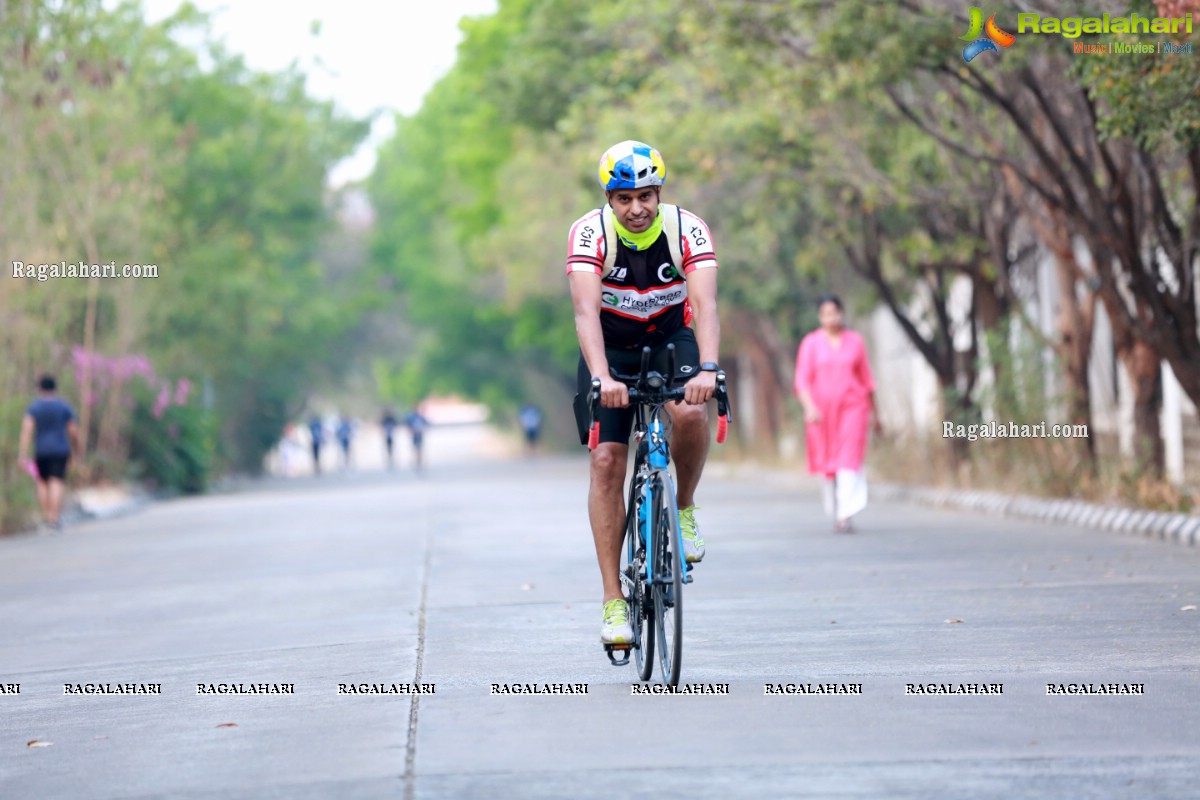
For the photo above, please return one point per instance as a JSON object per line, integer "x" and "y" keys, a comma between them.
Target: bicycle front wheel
{"x": 667, "y": 578}
{"x": 641, "y": 607}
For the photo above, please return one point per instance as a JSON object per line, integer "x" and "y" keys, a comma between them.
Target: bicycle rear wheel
{"x": 667, "y": 572}
{"x": 641, "y": 613}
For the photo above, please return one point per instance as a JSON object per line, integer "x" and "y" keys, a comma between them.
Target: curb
{"x": 1166, "y": 526}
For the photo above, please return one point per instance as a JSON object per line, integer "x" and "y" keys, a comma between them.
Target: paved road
{"x": 482, "y": 573}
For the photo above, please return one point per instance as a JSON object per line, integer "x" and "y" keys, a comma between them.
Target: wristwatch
{"x": 709, "y": 366}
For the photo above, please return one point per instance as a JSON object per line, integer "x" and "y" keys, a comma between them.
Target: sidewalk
{"x": 1164, "y": 525}
{"x": 1167, "y": 526}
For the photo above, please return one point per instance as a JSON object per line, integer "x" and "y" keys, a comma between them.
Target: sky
{"x": 367, "y": 54}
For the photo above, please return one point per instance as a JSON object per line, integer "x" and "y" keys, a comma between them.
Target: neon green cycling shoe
{"x": 693, "y": 544}
{"x": 616, "y": 628}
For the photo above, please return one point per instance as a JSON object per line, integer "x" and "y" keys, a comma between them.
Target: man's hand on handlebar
{"x": 700, "y": 388}
{"x": 613, "y": 393}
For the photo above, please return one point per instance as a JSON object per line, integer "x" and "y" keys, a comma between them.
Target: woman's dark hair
{"x": 46, "y": 383}
{"x": 830, "y": 298}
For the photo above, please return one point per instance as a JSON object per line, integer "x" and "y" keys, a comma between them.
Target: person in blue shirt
{"x": 389, "y": 423}
{"x": 417, "y": 424}
{"x": 50, "y": 427}
{"x": 531, "y": 422}
{"x": 345, "y": 434}
{"x": 316, "y": 429}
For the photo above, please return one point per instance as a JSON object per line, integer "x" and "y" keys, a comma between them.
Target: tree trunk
{"x": 89, "y": 346}
{"x": 1075, "y": 326}
{"x": 958, "y": 408}
{"x": 1076, "y": 318}
{"x": 760, "y": 342}
{"x": 1143, "y": 365}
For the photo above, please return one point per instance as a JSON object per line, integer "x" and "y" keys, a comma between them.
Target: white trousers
{"x": 846, "y": 494}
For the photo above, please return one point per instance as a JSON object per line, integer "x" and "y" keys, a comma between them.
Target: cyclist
{"x": 639, "y": 298}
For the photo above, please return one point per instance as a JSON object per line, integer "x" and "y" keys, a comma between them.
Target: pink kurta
{"x": 839, "y": 381}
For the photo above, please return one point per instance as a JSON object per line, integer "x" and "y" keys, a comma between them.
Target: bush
{"x": 171, "y": 445}
{"x": 18, "y": 500}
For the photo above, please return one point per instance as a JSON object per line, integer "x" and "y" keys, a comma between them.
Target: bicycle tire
{"x": 642, "y": 614}
{"x": 667, "y": 583}
{"x": 641, "y": 606}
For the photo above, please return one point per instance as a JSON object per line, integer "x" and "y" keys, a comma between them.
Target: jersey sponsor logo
{"x": 642, "y": 305}
{"x": 698, "y": 236}
{"x": 667, "y": 272}
{"x": 587, "y": 236}
{"x": 618, "y": 273}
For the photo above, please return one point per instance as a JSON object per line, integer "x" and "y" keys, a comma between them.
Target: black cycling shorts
{"x": 617, "y": 423}
{"x": 52, "y": 467}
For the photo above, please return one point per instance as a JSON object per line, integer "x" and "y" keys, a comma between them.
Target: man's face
{"x": 635, "y": 208}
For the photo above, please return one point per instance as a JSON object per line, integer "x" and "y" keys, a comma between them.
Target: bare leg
{"x": 43, "y": 496}
{"x": 55, "y": 491}
{"x": 689, "y": 448}
{"x": 606, "y": 510}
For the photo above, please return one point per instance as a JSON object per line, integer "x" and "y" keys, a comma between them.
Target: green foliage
{"x": 17, "y": 498}
{"x": 172, "y": 451}
{"x": 120, "y": 144}
{"x": 256, "y": 314}
{"x": 1151, "y": 99}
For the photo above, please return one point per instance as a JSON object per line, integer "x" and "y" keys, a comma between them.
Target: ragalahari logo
{"x": 984, "y": 36}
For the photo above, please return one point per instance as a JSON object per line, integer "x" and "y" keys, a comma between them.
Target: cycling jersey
{"x": 644, "y": 298}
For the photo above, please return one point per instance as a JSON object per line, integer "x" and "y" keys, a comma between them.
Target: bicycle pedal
{"x": 611, "y": 649}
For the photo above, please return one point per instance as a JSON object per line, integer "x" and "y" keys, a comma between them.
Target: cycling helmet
{"x": 631, "y": 165}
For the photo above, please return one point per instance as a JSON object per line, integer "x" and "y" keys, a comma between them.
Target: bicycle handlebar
{"x": 652, "y": 388}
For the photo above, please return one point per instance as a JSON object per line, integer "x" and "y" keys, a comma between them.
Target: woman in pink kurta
{"x": 834, "y": 384}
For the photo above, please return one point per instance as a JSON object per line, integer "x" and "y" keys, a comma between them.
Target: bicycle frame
{"x": 655, "y": 457}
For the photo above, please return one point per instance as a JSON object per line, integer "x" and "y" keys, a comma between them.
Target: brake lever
{"x": 723, "y": 415}
{"x": 593, "y": 405}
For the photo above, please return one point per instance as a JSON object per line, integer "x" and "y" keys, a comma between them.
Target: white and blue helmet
{"x": 631, "y": 165}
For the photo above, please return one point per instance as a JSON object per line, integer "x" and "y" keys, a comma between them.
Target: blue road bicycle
{"x": 654, "y": 569}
